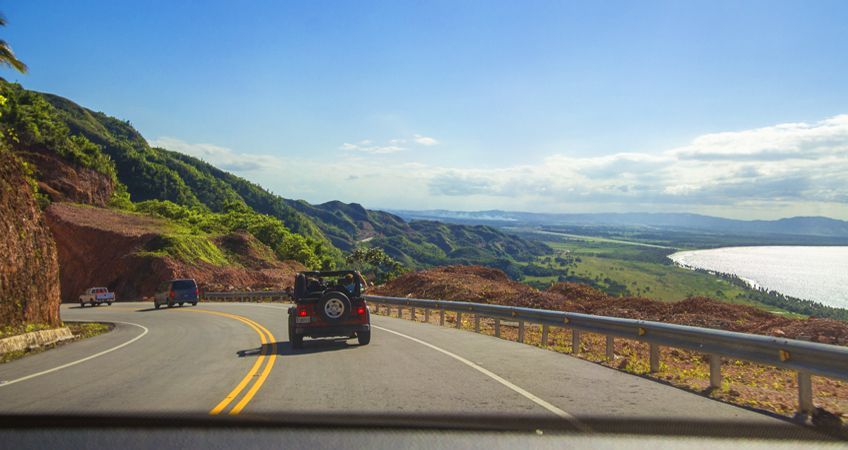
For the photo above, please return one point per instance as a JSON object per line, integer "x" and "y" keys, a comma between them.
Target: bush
{"x": 239, "y": 217}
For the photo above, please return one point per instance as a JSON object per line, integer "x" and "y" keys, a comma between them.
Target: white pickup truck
{"x": 96, "y": 296}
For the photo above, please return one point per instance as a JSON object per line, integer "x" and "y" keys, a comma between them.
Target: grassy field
{"x": 620, "y": 268}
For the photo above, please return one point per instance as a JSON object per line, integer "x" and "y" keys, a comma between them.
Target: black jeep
{"x": 329, "y": 304}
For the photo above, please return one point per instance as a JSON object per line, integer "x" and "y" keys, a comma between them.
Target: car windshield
{"x": 593, "y": 217}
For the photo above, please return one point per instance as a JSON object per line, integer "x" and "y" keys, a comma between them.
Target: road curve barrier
{"x": 805, "y": 358}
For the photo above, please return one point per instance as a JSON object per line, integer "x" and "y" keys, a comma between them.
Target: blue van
{"x": 176, "y": 292}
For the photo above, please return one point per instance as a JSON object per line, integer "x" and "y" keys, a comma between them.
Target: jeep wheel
{"x": 82, "y": 304}
{"x": 333, "y": 306}
{"x": 364, "y": 337}
{"x": 181, "y": 303}
{"x": 193, "y": 303}
{"x": 156, "y": 305}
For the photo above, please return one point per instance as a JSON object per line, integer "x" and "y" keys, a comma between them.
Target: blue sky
{"x": 728, "y": 108}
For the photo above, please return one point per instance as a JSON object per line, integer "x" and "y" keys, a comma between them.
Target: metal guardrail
{"x": 246, "y": 295}
{"x": 806, "y": 358}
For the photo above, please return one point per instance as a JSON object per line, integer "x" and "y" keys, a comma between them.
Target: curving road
{"x": 210, "y": 359}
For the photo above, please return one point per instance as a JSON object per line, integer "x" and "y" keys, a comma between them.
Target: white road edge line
{"x": 79, "y": 361}
{"x": 559, "y": 412}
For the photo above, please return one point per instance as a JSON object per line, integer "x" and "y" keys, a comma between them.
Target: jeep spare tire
{"x": 333, "y": 306}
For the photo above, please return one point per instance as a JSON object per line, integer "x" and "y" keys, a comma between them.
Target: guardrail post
{"x": 610, "y": 348}
{"x": 476, "y": 323}
{"x": 805, "y": 393}
{"x": 412, "y": 313}
{"x": 458, "y": 323}
{"x": 497, "y": 327}
{"x": 400, "y": 312}
{"x": 442, "y": 317}
{"x": 427, "y": 315}
{"x": 521, "y": 331}
{"x": 715, "y": 371}
{"x": 655, "y": 357}
{"x": 575, "y": 341}
{"x": 544, "y": 335}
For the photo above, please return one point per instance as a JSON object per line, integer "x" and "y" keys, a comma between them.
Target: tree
{"x": 374, "y": 261}
{"x": 7, "y": 56}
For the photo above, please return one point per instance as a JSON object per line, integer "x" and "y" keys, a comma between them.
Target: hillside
{"x": 486, "y": 285}
{"x": 132, "y": 253}
{"x": 158, "y": 174}
{"x": 417, "y": 243}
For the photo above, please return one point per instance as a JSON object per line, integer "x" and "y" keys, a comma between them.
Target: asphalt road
{"x": 210, "y": 359}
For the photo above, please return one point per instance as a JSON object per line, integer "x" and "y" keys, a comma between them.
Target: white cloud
{"x": 221, "y": 157}
{"x": 785, "y": 169}
{"x": 424, "y": 140}
{"x": 366, "y": 147}
{"x": 394, "y": 145}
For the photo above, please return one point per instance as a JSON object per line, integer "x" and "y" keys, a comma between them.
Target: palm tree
{"x": 7, "y": 56}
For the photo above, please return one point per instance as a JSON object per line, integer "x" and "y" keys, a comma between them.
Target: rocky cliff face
{"x": 29, "y": 269}
{"x": 66, "y": 182}
{"x": 102, "y": 247}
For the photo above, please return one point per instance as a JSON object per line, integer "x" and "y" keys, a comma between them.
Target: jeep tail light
{"x": 171, "y": 294}
{"x": 360, "y": 310}
{"x": 302, "y": 312}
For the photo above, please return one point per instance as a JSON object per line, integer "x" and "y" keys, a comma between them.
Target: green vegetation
{"x": 623, "y": 270}
{"x": 158, "y": 174}
{"x": 14, "y": 330}
{"x": 186, "y": 247}
{"x": 82, "y": 330}
{"x": 374, "y": 263}
{"x": 191, "y": 243}
{"x": 31, "y": 124}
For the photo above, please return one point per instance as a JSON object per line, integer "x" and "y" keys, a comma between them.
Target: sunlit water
{"x": 812, "y": 273}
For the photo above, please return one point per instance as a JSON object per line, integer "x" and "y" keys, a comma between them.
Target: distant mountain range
{"x": 794, "y": 226}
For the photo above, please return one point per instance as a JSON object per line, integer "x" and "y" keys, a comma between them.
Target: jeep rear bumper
{"x": 334, "y": 330}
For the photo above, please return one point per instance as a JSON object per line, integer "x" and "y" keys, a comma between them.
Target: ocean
{"x": 811, "y": 273}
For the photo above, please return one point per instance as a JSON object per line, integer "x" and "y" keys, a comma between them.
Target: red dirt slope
{"x": 486, "y": 285}
{"x": 97, "y": 247}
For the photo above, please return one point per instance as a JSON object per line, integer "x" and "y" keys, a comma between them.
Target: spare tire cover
{"x": 299, "y": 285}
{"x": 333, "y": 306}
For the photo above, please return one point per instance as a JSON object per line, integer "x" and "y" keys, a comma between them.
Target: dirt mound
{"x": 577, "y": 291}
{"x": 468, "y": 283}
{"x": 29, "y": 275}
{"x": 486, "y": 285}
{"x": 99, "y": 247}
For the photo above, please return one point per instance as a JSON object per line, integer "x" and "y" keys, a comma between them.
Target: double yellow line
{"x": 254, "y": 374}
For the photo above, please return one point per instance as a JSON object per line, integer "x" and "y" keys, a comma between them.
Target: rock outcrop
{"x": 29, "y": 268}
{"x": 62, "y": 181}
